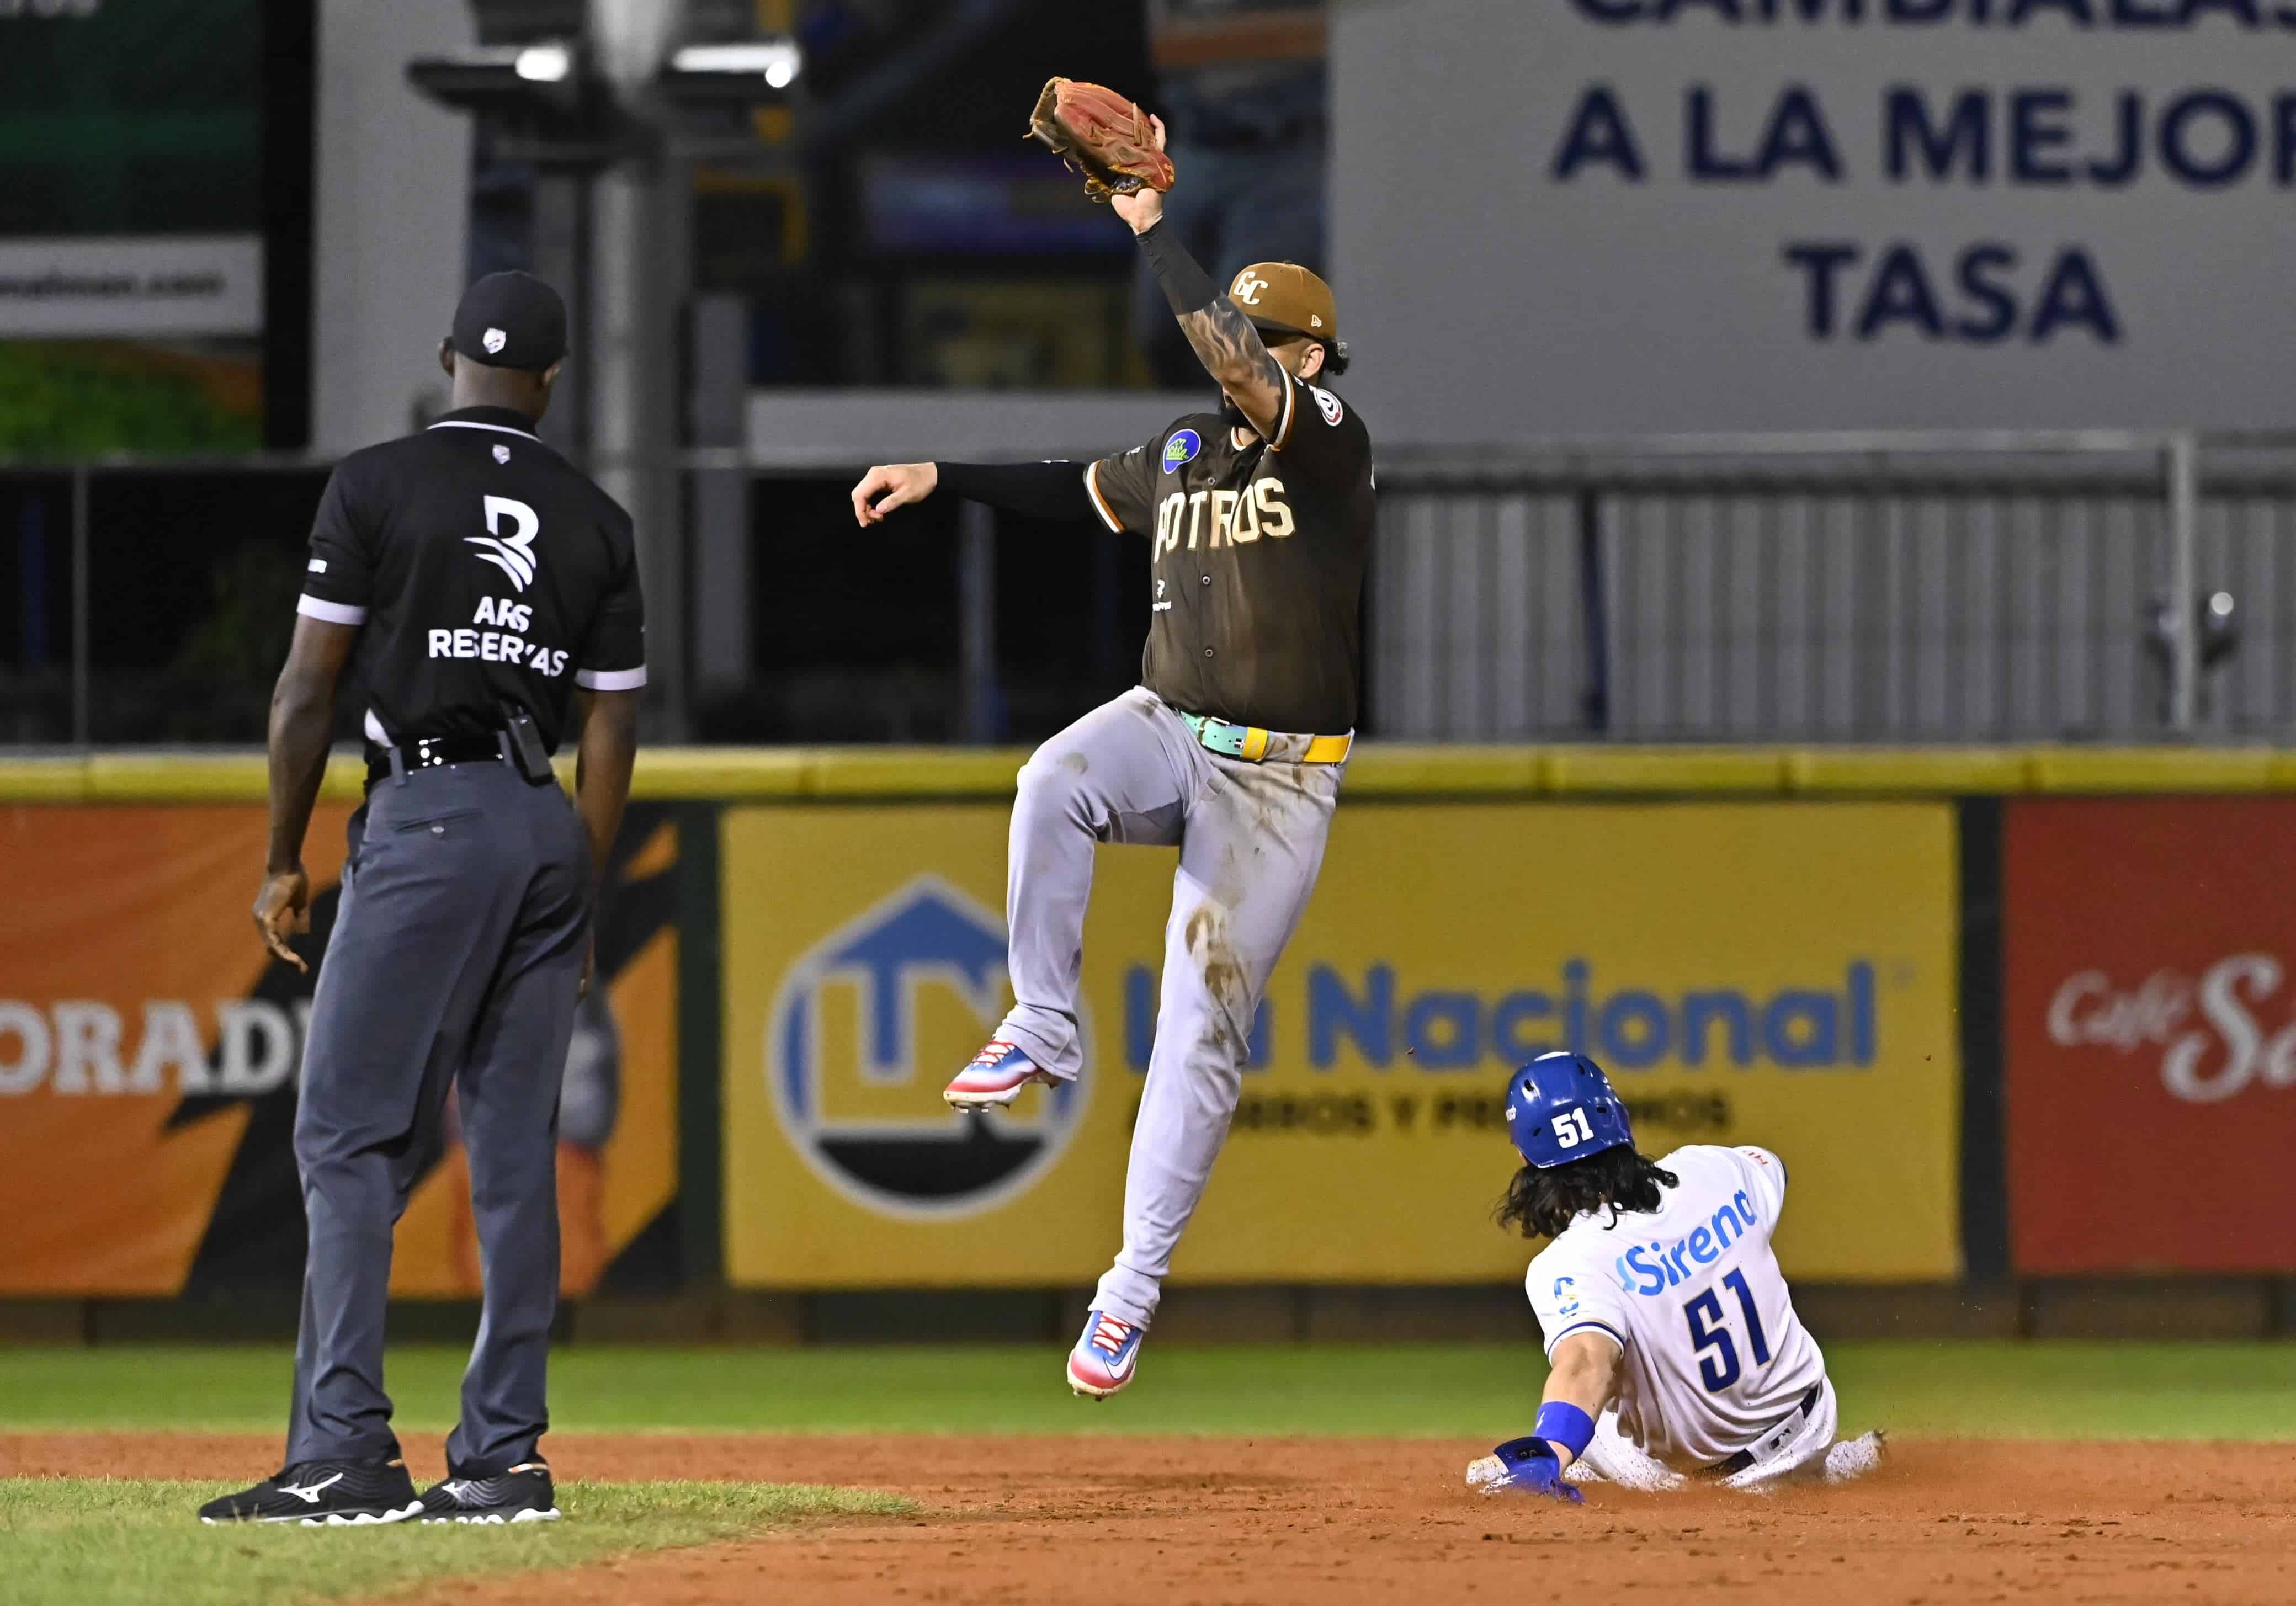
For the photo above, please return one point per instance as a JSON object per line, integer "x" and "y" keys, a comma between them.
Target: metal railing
{"x": 101, "y": 551}
{"x": 1938, "y": 587}
{"x": 1941, "y": 587}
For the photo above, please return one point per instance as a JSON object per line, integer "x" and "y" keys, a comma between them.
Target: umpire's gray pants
{"x": 456, "y": 959}
{"x": 1251, "y": 838}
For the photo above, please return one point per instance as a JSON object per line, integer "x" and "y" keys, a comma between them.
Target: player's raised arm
{"x": 1225, "y": 342}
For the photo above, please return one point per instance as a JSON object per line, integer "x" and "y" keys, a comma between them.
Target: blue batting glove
{"x": 1523, "y": 1466}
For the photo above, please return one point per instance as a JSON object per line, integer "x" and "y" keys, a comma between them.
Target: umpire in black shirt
{"x": 493, "y": 592}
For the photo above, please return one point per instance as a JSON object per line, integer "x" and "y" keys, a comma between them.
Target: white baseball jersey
{"x": 1714, "y": 1356}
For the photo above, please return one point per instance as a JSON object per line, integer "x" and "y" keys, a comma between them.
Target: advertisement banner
{"x": 1771, "y": 973}
{"x": 174, "y": 285}
{"x": 2151, "y": 1035}
{"x": 1726, "y": 215}
{"x": 150, "y": 1052}
{"x": 133, "y": 185}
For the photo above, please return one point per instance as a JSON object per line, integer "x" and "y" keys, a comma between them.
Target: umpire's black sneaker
{"x": 324, "y": 1494}
{"x": 522, "y": 1494}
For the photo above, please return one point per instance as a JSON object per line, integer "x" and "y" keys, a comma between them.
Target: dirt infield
{"x": 1207, "y": 1522}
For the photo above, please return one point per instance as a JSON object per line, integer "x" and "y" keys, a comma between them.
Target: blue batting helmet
{"x": 1561, "y": 1107}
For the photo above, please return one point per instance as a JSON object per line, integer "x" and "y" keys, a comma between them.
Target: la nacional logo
{"x": 868, "y": 1026}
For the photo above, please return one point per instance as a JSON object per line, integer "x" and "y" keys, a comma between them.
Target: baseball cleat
{"x": 522, "y": 1494}
{"x": 996, "y": 1077}
{"x": 1106, "y": 1356}
{"x": 324, "y": 1494}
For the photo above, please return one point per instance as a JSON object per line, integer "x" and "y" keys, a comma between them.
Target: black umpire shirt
{"x": 486, "y": 569}
{"x": 1258, "y": 561}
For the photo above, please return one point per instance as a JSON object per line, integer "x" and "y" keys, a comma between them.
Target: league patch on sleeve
{"x": 1182, "y": 447}
{"x": 1327, "y": 403}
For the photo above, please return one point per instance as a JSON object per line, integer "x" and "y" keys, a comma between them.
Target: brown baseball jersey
{"x": 1257, "y": 565}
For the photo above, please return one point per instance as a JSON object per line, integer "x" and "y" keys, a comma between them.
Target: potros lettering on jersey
{"x": 1235, "y": 517}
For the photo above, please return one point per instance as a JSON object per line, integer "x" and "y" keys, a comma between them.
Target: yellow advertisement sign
{"x": 1774, "y": 973}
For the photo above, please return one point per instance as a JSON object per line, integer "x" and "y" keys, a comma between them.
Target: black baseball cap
{"x": 511, "y": 320}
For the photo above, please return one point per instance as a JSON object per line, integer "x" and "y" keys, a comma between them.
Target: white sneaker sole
{"x": 329, "y": 1520}
{"x": 1085, "y": 1390}
{"x": 958, "y": 1100}
{"x": 496, "y": 1520}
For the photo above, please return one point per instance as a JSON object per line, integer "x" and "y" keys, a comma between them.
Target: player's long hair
{"x": 1542, "y": 1203}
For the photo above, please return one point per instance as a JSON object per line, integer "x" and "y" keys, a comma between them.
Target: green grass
{"x": 131, "y": 1542}
{"x": 76, "y": 1541}
{"x": 2042, "y": 1389}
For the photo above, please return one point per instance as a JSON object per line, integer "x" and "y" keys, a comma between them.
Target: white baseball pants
{"x": 1252, "y": 840}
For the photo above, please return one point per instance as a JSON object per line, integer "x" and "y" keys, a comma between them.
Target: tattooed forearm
{"x": 1225, "y": 342}
{"x": 1230, "y": 347}
{"x": 1233, "y": 354}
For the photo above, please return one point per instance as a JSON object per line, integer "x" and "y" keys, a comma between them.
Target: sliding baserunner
{"x": 1675, "y": 1348}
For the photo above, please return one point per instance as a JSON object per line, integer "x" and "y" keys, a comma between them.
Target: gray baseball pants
{"x": 456, "y": 959}
{"x": 1252, "y": 838}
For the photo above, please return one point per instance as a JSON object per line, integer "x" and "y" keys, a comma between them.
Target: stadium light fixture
{"x": 543, "y": 77}
{"x": 759, "y": 70}
{"x": 544, "y": 63}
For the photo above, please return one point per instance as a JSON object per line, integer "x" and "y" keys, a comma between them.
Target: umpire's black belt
{"x": 1745, "y": 1458}
{"x": 430, "y": 752}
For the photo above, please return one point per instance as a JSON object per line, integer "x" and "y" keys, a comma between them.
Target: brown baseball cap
{"x": 1284, "y": 297}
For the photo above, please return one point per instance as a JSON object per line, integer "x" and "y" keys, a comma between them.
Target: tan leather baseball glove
{"x": 1101, "y": 136}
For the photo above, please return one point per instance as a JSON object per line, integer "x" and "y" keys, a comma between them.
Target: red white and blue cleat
{"x": 996, "y": 1077}
{"x": 1106, "y": 1356}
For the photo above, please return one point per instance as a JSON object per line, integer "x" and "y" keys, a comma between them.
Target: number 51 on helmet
{"x": 1561, "y": 1107}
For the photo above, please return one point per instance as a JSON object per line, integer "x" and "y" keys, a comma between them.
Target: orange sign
{"x": 150, "y": 1050}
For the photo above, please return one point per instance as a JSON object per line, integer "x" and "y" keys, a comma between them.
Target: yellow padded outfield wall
{"x": 1774, "y": 973}
{"x": 1379, "y": 770}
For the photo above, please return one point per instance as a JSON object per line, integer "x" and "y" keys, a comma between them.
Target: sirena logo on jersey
{"x": 1653, "y": 1268}
{"x": 2227, "y": 1050}
{"x": 862, "y": 1036}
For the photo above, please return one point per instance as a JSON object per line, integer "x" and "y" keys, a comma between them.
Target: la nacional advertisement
{"x": 2149, "y": 959}
{"x": 1772, "y": 973}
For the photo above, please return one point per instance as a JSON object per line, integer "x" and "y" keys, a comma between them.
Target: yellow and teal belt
{"x": 1251, "y": 742}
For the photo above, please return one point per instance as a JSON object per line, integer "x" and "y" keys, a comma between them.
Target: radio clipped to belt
{"x": 527, "y": 755}
{"x": 518, "y": 743}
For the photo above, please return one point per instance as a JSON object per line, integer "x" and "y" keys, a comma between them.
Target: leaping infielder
{"x": 1231, "y": 748}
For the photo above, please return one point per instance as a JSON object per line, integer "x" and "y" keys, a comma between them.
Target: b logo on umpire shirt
{"x": 513, "y": 553}
{"x": 868, "y": 1025}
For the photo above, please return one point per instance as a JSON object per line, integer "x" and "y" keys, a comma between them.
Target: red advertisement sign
{"x": 2150, "y": 950}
